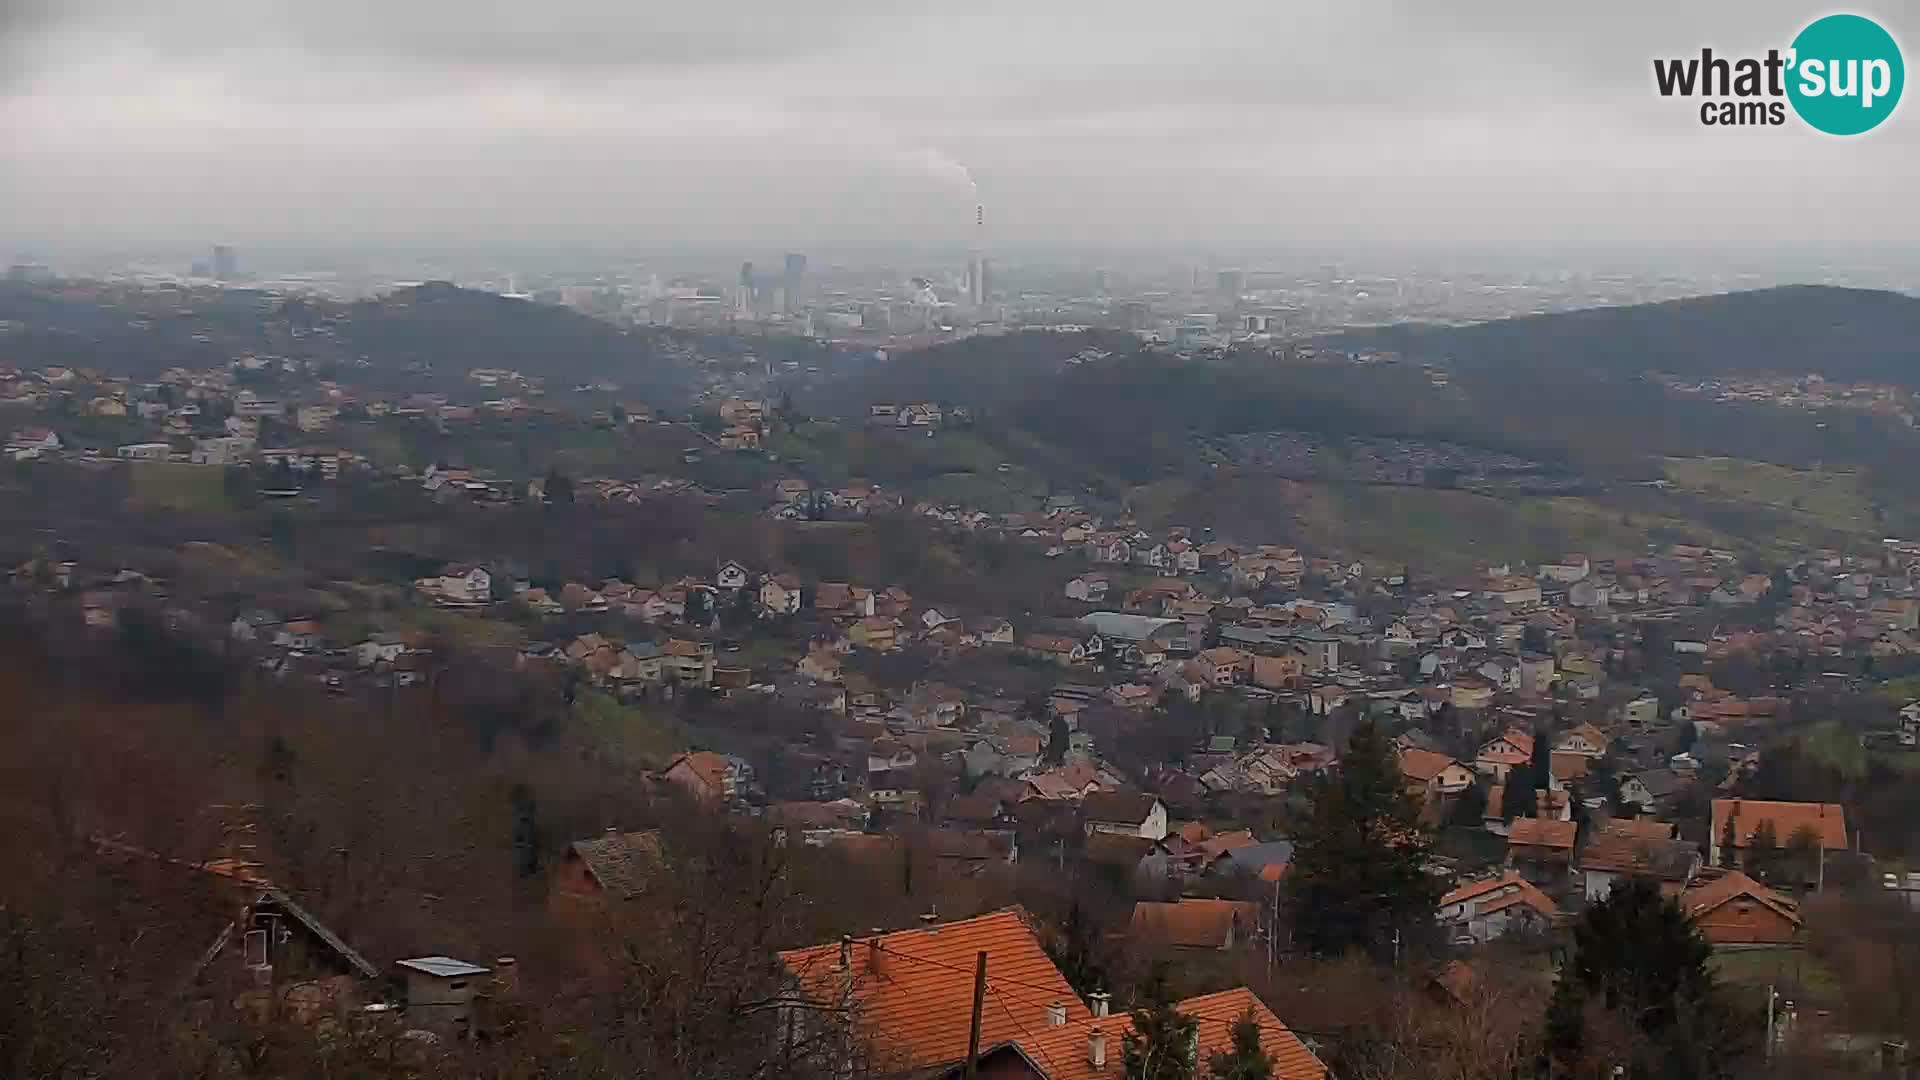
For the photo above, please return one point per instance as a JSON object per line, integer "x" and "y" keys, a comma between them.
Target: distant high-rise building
{"x": 226, "y": 265}
{"x": 793, "y": 279}
{"x": 743, "y": 293}
{"x": 1230, "y": 284}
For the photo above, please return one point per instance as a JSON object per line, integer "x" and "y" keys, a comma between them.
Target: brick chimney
{"x": 1056, "y": 1014}
{"x": 1097, "y": 1048}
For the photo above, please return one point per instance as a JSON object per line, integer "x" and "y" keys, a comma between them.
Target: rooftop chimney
{"x": 1101, "y": 1001}
{"x": 1097, "y": 1048}
{"x": 930, "y": 920}
{"x": 873, "y": 950}
{"x": 506, "y": 975}
{"x": 846, "y": 951}
{"x": 1056, "y": 1014}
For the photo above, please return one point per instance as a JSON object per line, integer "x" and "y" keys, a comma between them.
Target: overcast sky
{"x": 1480, "y": 124}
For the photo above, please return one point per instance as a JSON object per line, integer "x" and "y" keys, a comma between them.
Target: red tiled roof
{"x": 1641, "y": 828}
{"x": 1703, "y": 899}
{"x": 1542, "y": 832}
{"x": 1423, "y": 765}
{"x": 1473, "y": 889}
{"x": 1062, "y": 1051}
{"x": 914, "y": 988}
{"x": 1569, "y": 766}
{"x": 1590, "y": 733}
{"x": 1827, "y": 820}
{"x": 1119, "y": 807}
{"x": 1619, "y": 853}
{"x": 1520, "y": 740}
{"x": 1191, "y": 922}
{"x": 710, "y": 767}
{"x": 1216, "y": 846}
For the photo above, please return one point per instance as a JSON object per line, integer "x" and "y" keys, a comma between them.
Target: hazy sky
{"x": 1484, "y": 124}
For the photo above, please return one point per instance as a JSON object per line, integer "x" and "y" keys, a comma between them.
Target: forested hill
{"x": 1568, "y": 390}
{"x": 437, "y": 323}
{"x": 452, "y": 330}
{"x": 1849, "y": 335}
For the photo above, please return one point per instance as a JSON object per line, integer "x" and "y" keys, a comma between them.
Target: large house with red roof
{"x": 1735, "y": 911}
{"x": 907, "y": 996}
{"x": 1739, "y": 820}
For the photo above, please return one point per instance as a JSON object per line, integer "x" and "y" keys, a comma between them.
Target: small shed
{"x": 441, "y": 992}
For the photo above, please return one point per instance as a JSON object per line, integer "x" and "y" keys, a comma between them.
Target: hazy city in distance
{"x": 1042, "y": 540}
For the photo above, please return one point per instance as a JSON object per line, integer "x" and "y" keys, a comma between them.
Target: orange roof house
{"x": 1610, "y": 856}
{"x": 702, "y": 774}
{"x": 1491, "y": 907}
{"x": 911, "y": 994}
{"x": 913, "y": 989}
{"x": 1734, "y": 909}
{"x": 1194, "y": 923}
{"x": 1069, "y": 1051}
{"x": 1542, "y": 846}
{"x": 1827, "y": 821}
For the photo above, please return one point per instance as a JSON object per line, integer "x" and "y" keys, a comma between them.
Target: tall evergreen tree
{"x": 1524, "y": 782}
{"x": 1358, "y": 878}
{"x": 1076, "y": 952}
{"x": 1058, "y": 739}
{"x": 1638, "y": 960}
{"x": 526, "y": 831}
{"x": 1541, "y": 764}
{"x": 1519, "y": 798}
{"x": 1763, "y": 848}
{"x": 1245, "y": 1061}
{"x": 1161, "y": 1044}
{"x": 1729, "y": 841}
{"x": 558, "y": 490}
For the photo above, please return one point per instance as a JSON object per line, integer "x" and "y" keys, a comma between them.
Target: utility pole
{"x": 1771, "y": 998}
{"x": 979, "y": 1001}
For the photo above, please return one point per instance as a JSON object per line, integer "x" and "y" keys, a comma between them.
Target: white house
{"x": 1575, "y": 568}
{"x": 222, "y": 450}
{"x": 459, "y": 585}
{"x": 732, "y": 576}
{"x": 146, "y": 451}
{"x": 1088, "y": 588}
{"x": 1611, "y": 857}
{"x": 780, "y": 595}
{"x": 379, "y": 649}
{"x": 30, "y": 443}
{"x": 1490, "y": 908}
{"x": 1125, "y": 813}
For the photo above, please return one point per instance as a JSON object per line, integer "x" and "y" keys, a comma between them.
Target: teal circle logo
{"x": 1846, "y": 74}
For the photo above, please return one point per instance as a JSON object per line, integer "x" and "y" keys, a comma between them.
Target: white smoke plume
{"x": 944, "y": 169}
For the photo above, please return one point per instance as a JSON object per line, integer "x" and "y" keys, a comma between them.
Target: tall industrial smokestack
{"x": 977, "y": 259}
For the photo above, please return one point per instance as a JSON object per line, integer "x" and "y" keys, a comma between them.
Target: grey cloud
{"x": 1224, "y": 122}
